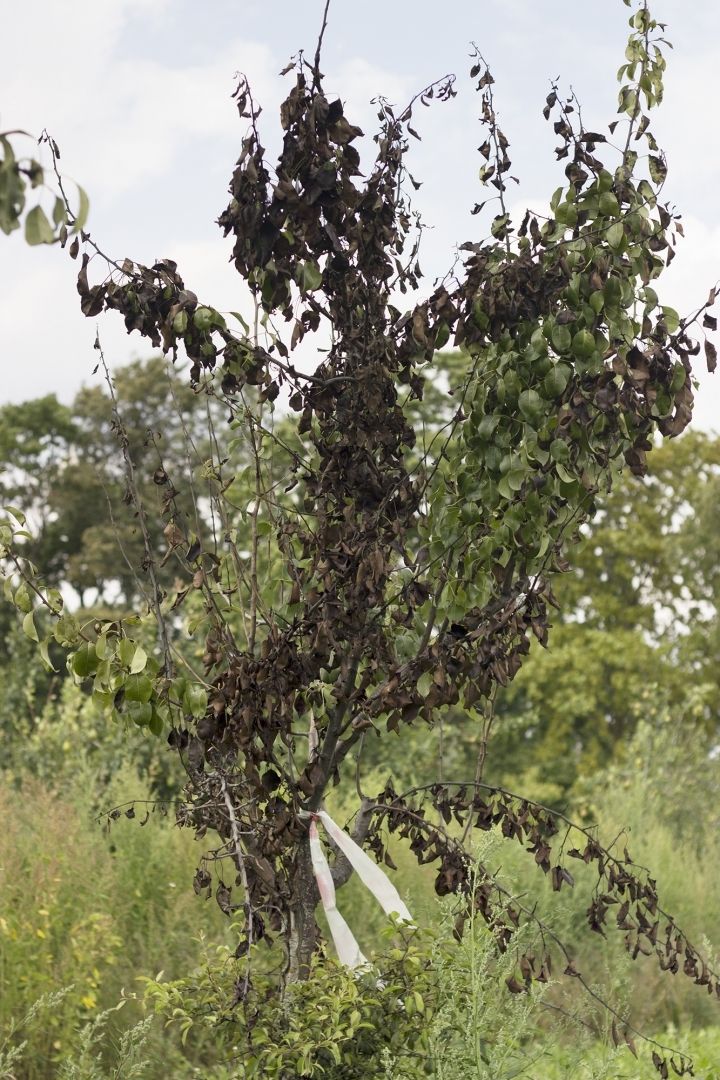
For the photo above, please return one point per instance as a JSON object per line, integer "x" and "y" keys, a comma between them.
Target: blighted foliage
{"x": 625, "y": 895}
{"x": 399, "y": 577}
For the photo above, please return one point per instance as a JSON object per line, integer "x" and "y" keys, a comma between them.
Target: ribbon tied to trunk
{"x": 369, "y": 873}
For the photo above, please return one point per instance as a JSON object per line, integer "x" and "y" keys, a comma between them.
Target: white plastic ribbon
{"x": 347, "y": 947}
{"x": 371, "y": 876}
{"x": 375, "y": 879}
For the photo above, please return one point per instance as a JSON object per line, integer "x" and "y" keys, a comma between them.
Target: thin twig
{"x": 120, "y": 544}
{"x": 243, "y": 875}
{"x": 317, "y": 77}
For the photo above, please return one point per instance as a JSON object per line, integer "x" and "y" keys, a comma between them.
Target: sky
{"x": 138, "y": 95}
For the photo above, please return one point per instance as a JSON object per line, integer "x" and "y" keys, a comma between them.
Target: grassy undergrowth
{"x": 85, "y": 909}
{"x": 98, "y": 911}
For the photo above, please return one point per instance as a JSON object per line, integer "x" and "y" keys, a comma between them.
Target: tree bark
{"x": 303, "y": 930}
{"x": 302, "y": 936}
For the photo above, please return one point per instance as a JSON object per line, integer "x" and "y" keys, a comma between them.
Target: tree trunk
{"x": 302, "y": 937}
{"x": 303, "y": 931}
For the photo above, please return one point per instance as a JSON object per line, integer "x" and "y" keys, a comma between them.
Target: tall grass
{"x": 94, "y": 911}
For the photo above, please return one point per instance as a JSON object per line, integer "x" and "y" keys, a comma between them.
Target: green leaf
{"x": 583, "y": 343}
{"x": 178, "y": 688}
{"x": 203, "y": 318}
{"x": 139, "y": 661}
{"x": 566, "y": 214}
{"x": 180, "y": 322}
{"x": 38, "y": 229}
{"x": 530, "y": 403}
{"x": 505, "y": 489}
{"x": 195, "y": 700}
{"x": 12, "y": 190}
{"x": 487, "y": 425}
{"x": 29, "y": 626}
{"x": 615, "y": 236}
{"x": 55, "y": 600}
{"x": 311, "y": 277}
{"x": 678, "y": 379}
{"x": 515, "y": 479}
{"x": 597, "y": 302}
{"x": 559, "y": 450}
{"x": 493, "y": 457}
{"x": 663, "y": 402}
{"x": 17, "y": 514}
{"x": 238, "y": 316}
{"x": 556, "y": 380}
{"x": 443, "y": 334}
{"x": 561, "y": 339}
{"x": 538, "y": 343}
{"x": 604, "y": 181}
{"x": 156, "y": 724}
{"x": 44, "y": 654}
{"x": 83, "y": 211}
{"x": 608, "y": 204}
{"x": 193, "y": 624}
{"x": 102, "y": 699}
{"x": 140, "y": 712}
{"x": 59, "y": 215}
{"x": 672, "y": 319}
{"x": 612, "y": 291}
{"x": 22, "y": 598}
{"x": 424, "y": 683}
{"x": 101, "y": 646}
{"x": 85, "y": 661}
{"x": 264, "y": 528}
{"x": 651, "y": 299}
{"x": 152, "y": 667}
{"x": 138, "y": 688}
{"x": 126, "y": 652}
{"x": 66, "y": 630}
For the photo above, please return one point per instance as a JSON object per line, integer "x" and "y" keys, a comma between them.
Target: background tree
{"x": 387, "y": 576}
{"x": 639, "y": 610}
{"x": 65, "y": 471}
